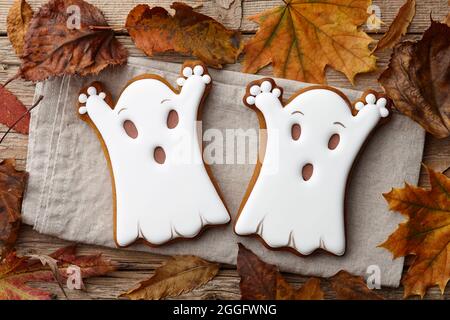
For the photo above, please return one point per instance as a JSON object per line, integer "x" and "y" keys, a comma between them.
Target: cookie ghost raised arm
{"x": 193, "y": 86}
{"x": 313, "y": 141}
{"x": 158, "y": 194}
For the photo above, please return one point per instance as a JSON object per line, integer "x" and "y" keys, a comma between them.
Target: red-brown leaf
{"x": 12, "y": 186}
{"x": 90, "y": 265}
{"x": 262, "y": 281}
{"x": 12, "y": 109}
{"x": 52, "y": 49}
{"x": 17, "y": 272}
{"x": 350, "y": 287}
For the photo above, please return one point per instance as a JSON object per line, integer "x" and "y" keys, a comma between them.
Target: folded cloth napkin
{"x": 69, "y": 193}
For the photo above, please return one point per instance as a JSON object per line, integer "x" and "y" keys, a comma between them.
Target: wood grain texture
{"x": 116, "y": 11}
{"x": 135, "y": 266}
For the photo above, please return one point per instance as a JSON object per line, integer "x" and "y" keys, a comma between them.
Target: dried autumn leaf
{"x": 302, "y": 37}
{"x": 263, "y": 281}
{"x": 17, "y": 21}
{"x": 14, "y": 276}
{"x": 398, "y": 27}
{"x": 12, "y": 186}
{"x": 17, "y": 272}
{"x": 418, "y": 79}
{"x": 154, "y": 30}
{"x": 91, "y": 265}
{"x": 60, "y": 41}
{"x": 426, "y": 233}
{"x": 12, "y": 109}
{"x": 180, "y": 274}
{"x": 350, "y": 287}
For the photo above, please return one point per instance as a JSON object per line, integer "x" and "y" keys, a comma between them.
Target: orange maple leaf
{"x": 302, "y": 37}
{"x": 426, "y": 233}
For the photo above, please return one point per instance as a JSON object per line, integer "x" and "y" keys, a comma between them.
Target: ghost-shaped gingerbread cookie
{"x": 162, "y": 189}
{"x": 296, "y": 197}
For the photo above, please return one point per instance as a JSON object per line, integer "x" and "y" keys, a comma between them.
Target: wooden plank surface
{"x": 116, "y": 11}
{"x": 134, "y": 266}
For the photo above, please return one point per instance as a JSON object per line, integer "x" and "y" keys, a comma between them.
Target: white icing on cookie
{"x": 283, "y": 208}
{"x": 162, "y": 188}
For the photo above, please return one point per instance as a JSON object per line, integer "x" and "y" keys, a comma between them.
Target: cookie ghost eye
{"x": 130, "y": 129}
{"x": 334, "y": 141}
{"x": 296, "y": 131}
{"x": 172, "y": 119}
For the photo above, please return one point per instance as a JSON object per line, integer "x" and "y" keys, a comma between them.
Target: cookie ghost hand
{"x": 266, "y": 97}
{"x": 370, "y": 113}
{"x": 193, "y": 85}
{"x": 95, "y": 106}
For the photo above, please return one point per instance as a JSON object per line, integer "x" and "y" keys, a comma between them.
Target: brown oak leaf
{"x": 12, "y": 186}
{"x": 350, "y": 287}
{"x": 263, "y": 281}
{"x": 12, "y": 109}
{"x": 425, "y": 234}
{"x": 16, "y": 272}
{"x": 180, "y": 274}
{"x": 418, "y": 79}
{"x": 154, "y": 30}
{"x": 398, "y": 27}
{"x": 60, "y": 40}
{"x": 302, "y": 37}
{"x": 19, "y": 16}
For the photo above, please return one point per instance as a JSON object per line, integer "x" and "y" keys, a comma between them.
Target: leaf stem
{"x": 21, "y": 117}
{"x": 447, "y": 172}
{"x": 11, "y": 80}
{"x": 112, "y": 28}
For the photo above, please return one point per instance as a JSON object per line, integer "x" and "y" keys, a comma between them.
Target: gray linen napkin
{"x": 69, "y": 192}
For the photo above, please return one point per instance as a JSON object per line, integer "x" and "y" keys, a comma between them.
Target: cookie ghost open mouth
{"x": 159, "y": 155}
{"x": 307, "y": 171}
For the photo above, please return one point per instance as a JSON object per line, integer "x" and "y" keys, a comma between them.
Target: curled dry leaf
{"x": 154, "y": 30}
{"x": 398, "y": 27}
{"x": 302, "y": 37}
{"x": 12, "y": 109}
{"x": 12, "y": 186}
{"x": 426, "y": 233}
{"x": 350, "y": 287}
{"x": 16, "y": 272}
{"x": 262, "y": 281}
{"x": 19, "y": 16}
{"x": 418, "y": 79}
{"x": 180, "y": 274}
{"x": 60, "y": 41}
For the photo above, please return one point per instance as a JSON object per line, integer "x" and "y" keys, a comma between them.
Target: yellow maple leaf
{"x": 302, "y": 37}
{"x": 426, "y": 233}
